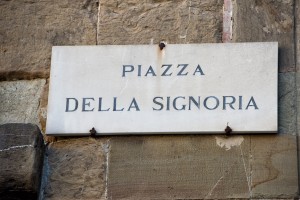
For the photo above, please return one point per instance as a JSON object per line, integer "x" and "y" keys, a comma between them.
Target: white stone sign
{"x": 184, "y": 88}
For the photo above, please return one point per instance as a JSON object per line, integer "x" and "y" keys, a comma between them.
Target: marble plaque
{"x": 183, "y": 88}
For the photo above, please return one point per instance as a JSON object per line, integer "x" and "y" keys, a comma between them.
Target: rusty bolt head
{"x": 228, "y": 130}
{"x": 161, "y": 45}
{"x": 93, "y": 132}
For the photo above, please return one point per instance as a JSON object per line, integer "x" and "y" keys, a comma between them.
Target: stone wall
{"x": 152, "y": 167}
{"x": 21, "y": 158}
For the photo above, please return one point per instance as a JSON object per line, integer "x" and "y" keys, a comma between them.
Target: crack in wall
{"x": 248, "y": 176}
{"x": 98, "y": 22}
{"x": 16, "y": 147}
{"x": 106, "y": 149}
{"x": 213, "y": 188}
{"x": 45, "y": 174}
{"x": 250, "y": 166}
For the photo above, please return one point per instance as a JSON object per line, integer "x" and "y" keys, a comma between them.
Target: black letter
{"x": 194, "y": 101}
{"x": 165, "y": 72}
{"x": 158, "y": 103}
{"x": 240, "y": 102}
{"x": 100, "y": 105}
{"x": 86, "y": 104}
{"x": 115, "y": 105}
{"x": 68, "y": 102}
{"x": 198, "y": 69}
{"x": 139, "y": 70}
{"x": 150, "y": 71}
{"x": 134, "y": 105}
{"x": 183, "y": 68}
{"x": 217, "y": 102}
{"x": 174, "y": 103}
{"x": 230, "y": 103}
{"x": 130, "y": 70}
{"x": 253, "y": 104}
{"x": 168, "y": 103}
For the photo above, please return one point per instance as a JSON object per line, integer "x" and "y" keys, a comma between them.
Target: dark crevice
{"x": 23, "y": 75}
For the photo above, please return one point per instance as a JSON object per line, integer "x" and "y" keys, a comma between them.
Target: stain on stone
{"x": 229, "y": 142}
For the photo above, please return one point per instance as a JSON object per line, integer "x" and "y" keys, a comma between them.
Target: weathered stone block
{"x": 30, "y": 28}
{"x": 75, "y": 169}
{"x": 21, "y": 158}
{"x": 267, "y": 20}
{"x": 274, "y": 166}
{"x": 287, "y": 97}
{"x": 202, "y": 167}
{"x": 179, "y": 167}
{"x": 19, "y": 102}
{"x": 144, "y": 22}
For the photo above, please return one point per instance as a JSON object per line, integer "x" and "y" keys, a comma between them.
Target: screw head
{"x": 161, "y": 45}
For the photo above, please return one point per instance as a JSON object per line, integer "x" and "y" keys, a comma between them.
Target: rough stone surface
{"x": 287, "y": 108}
{"x": 267, "y": 20}
{"x": 75, "y": 169}
{"x": 178, "y": 167}
{"x": 21, "y": 158}
{"x": 274, "y": 166}
{"x": 30, "y": 28}
{"x": 297, "y": 57}
{"x": 43, "y": 106}
{"x": 144, "y": 22}
{"x": 19, "y": 102}
{"x": 297, "y": 36}
{"x": 43, "y": 112}
{"x": 202, "y": 167}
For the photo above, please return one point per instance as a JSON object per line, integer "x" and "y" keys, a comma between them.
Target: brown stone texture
{"x": 21, "y": 158}
{"x": 274, "y": 166}
{"x": 178, "y": 167}
{"x": 267, "y": 20}
{"x": 30, "y": 28}
{"x": 75, "y": 169}
{"x": 152, "y": 21}
{"x": 20, "y": 100}
{"x": 202, "y": 167}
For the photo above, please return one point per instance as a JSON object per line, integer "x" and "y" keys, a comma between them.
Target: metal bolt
{"x": 228, "y": 130}
{"x": 161, "y": 45}
{"x": 93, "y": 132}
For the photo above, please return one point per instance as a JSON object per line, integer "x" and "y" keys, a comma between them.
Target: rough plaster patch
{"x": 228, "y": 142}
{"x": 227, "y": 21}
